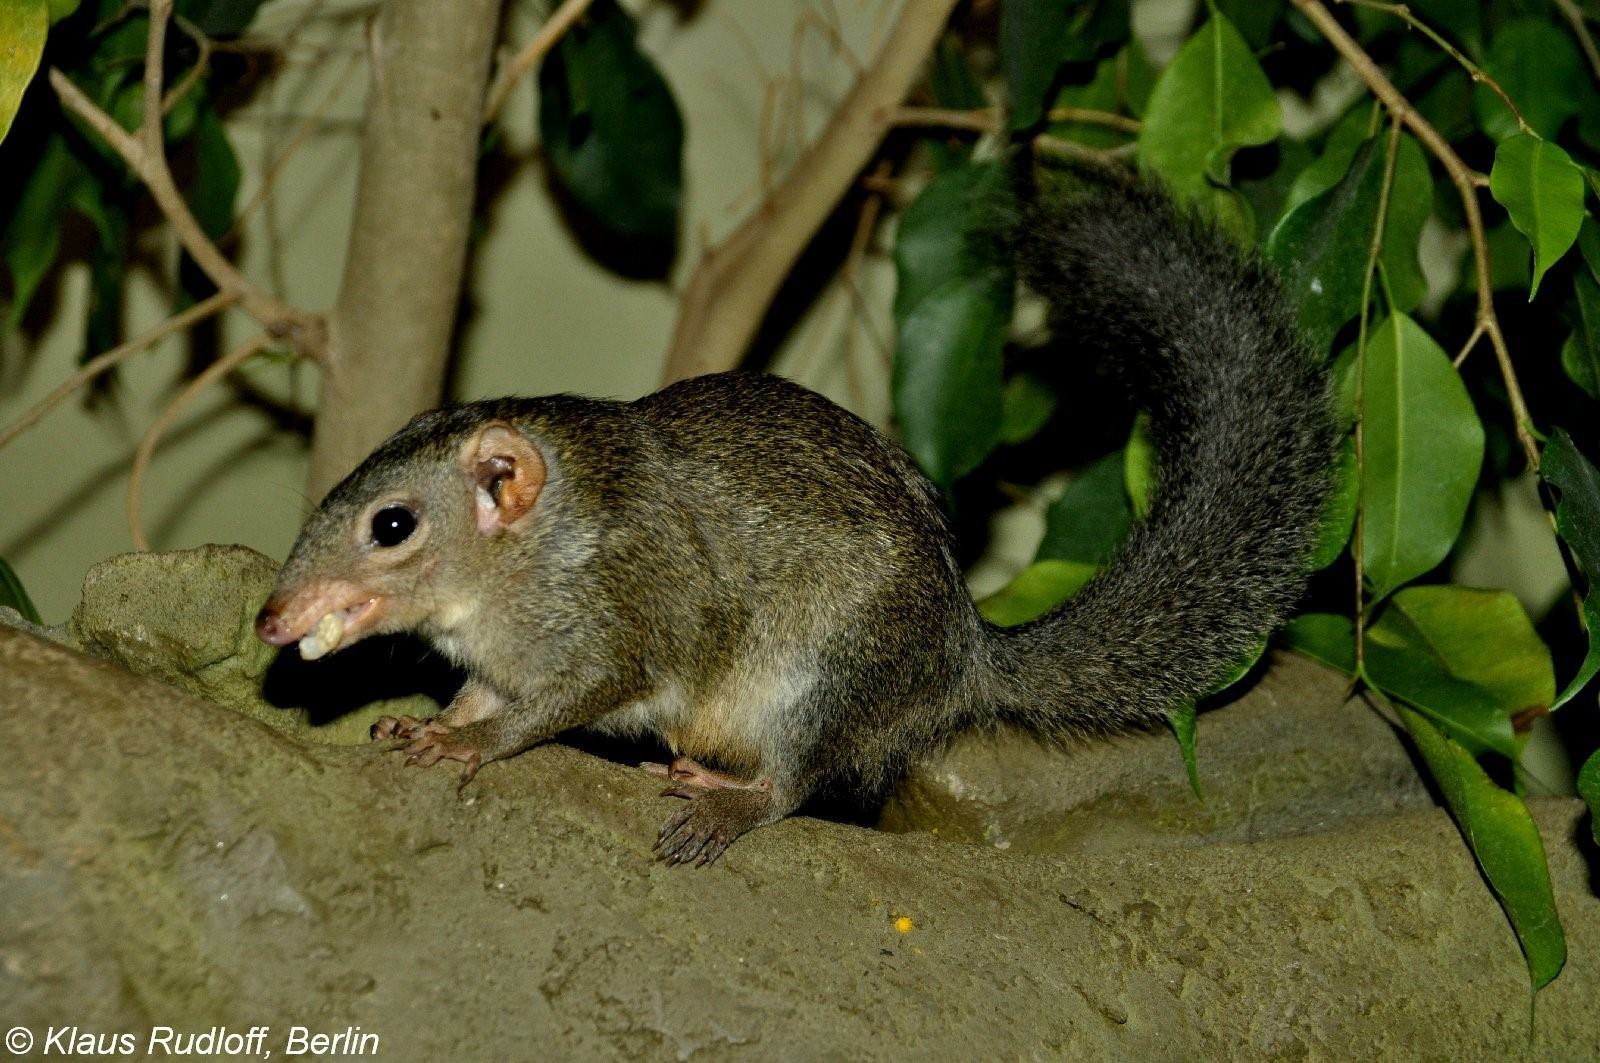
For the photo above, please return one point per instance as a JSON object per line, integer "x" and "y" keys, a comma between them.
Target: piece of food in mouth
{"x": 324, "y": 638}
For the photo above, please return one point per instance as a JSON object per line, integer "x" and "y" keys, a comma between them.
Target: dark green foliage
{"x": 13, "y": 594}
{"x": 611, "y": 129}
{"x": 1465, "y": 667}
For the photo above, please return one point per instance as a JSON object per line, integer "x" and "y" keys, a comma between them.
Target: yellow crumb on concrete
{"x": 904, "y": 924}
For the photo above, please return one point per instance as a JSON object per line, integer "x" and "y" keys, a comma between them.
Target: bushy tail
{"x": 1245, "y": 436}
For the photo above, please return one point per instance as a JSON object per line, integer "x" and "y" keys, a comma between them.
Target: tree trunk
{"x": 390, "y": 331}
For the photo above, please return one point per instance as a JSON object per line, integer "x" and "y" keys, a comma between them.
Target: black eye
{"x": 393, "y": 525}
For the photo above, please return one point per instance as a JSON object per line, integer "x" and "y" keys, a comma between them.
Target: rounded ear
{"x": 507, "y": 473}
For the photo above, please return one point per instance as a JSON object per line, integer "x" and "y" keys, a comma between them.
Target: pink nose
{"x": 270, "y": 628}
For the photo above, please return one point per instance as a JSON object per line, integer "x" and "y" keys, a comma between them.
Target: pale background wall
{"x": 546, "y": 318}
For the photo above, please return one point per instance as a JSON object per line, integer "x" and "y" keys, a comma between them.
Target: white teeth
{"x": 324, "y": 638}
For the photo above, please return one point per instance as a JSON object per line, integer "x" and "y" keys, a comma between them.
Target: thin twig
{"x": 196, "y": 73}
{"x": 155, "y": 51}
{"x": 1466, "y": 348}
{"x": 734, "y": 283}
{"x": 991, "y": 120}
{"x": 1474, "y": 71}
{"x": 147, "y": 446}
{"x": 304, "y": 330}
{"x": 1462, "y": 177}
{"x": 107, "y": 361}
{"x": 549, "y": 34}
{"x": 1357, "y": 548}
{"x": 1574, "y": 16}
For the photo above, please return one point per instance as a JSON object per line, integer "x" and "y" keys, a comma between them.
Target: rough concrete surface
{"x": 164, "y": 860}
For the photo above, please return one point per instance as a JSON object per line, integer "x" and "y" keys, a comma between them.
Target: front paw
{"x": 433, "y": 742}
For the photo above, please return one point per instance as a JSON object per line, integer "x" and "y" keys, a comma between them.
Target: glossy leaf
{"x": 1139, "y": 466}
{"x": 1121, "y": 85}
{"x": 1481, "y": 637}
{"x": 1033, "y": 42}
{"x": 1423, "y": 449}
{"x": 611, "y": 129}
{"x": 1589, "y": 789}
{"x": 1576, "y": 479}
{"x": 1542, "y": 190}
{"x": 1097, "y": 27}
{"x": 1538, "y": 65}
{"x": 33, "y": 235}
{"x": 1580, "y": 355}
{"x": 1322, "y": 245}
{"x": 1183, "y": 721}
{"x": 952, "y": 307}
{"x": 13, "y": 594}
{"x": 220, "y": 18}
{"x": 1025, "y": 408}
{"x": 947, "y": 369}
{"x": 1581, "y": 364}
{"x": 1092, "y": 516}
{"x": 1503, "y": 838}
{"x": 1036, "y": 590}
{"x": 24, "y": 24}
{"x": 955, "y": 87}
{"x": 1210, "y": 101}
{"x": 1340, "y": 518}
{"x": 1326, "y": 637}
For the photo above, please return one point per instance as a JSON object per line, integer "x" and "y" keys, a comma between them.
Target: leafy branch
{"x": 1487, "y": 323}
{"x": 145, "y": 154}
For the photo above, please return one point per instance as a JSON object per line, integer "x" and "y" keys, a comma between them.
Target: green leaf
{"x": 1581, "y": 364}
{"x": 24, "y": 24}
{"x": 1565, "y": 468}
{"x": 1182, "y": 717}
{"x": 942, "y": 234}
{"x": 33, "y": 235}
{"x": 1482, "y": 637}
{"x": 1139, "y": 466}
{"x": 953, "y": 311}
{"x": 947, "y": 369}
{"x": 1340, "y": 518}
{"x": 1469, "y": 659}
{"x": 1345, "y": 138}
{"x": 1589, "y": 790}
{"x": 1033, "y": 42}
{"x": 1326, "y": 637}
{"x": 1538, "y": 65}
{"x": 1210, "y": 101}
{"x": 1423, "y": 449}
{"x": 1025, "y": 408}
{"x": 1254, "y": 19}
{"x": 1501, "y": 834}
{"x": 1589, "y": 245}
{"x": 1322, "y": 245}
{"x": 611, "y": 129}
{"x": 1097, "y": 27}
{"x": 1580, "y": 355}
{"x": 1182, "y": 720}
{"x": 220, "y": 18}
{"x": 1036, "y": 590}
{"x": 1092, "y": 516}
{"x": 957, "y": 88}
{"x": 13, "y": 594}
{"x": 1121, "y": 85}
{"x": 60, "y": 9}
{"x": 1542, "y": 190}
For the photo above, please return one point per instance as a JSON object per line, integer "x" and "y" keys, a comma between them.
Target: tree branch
{"x": 304, "y": 331}
{"x": 1463, "y": 178}
{"x": 147, "y": 446}
{"x": 515, "y": 68}
{"x": 736, "y": 280}
{"x": 104, "y": 363}
{"x": 390, "y": 332}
